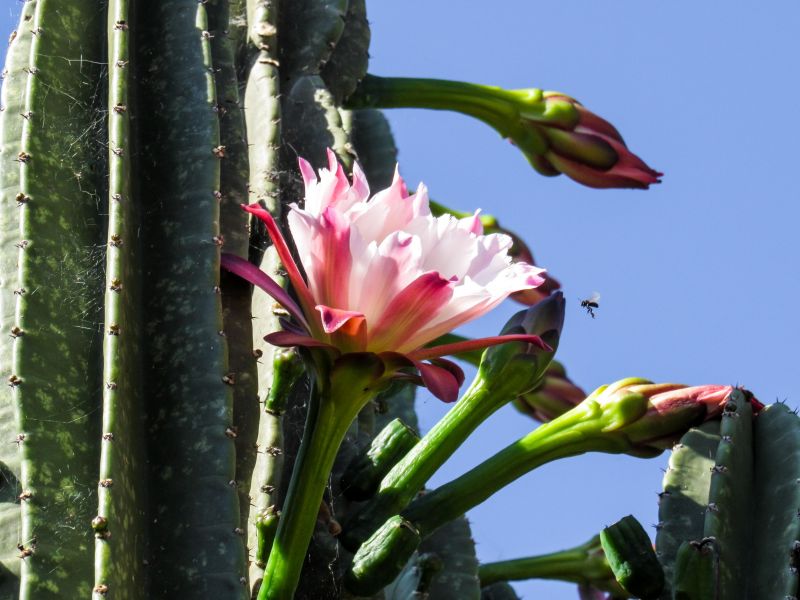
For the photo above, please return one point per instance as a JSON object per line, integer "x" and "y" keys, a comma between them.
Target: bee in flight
{"x": 591, "y": 303}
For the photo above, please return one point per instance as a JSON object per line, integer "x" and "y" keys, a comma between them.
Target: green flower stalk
{"x": 585, "y": 564}
{"x": 336, "y": 400}
{"x": 555, "y": 132}
{"x": 504, "y": 373}
{"x": 632, "y": 416}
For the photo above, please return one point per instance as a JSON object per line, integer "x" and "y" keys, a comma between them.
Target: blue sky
{"x": 699, "y": 276}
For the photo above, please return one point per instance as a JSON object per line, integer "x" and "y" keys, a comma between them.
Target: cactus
{"x": 728, "y": 518}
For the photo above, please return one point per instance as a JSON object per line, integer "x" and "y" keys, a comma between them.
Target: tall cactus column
{"x": 121, "y": 522}
{"x": 55, "y": 371}
{"x": 188, "y": 386}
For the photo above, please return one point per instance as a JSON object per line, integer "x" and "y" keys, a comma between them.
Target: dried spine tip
{"x": 229, "y": 379}
{"x": 26, "y": 495}
{"x": 113, "y": 330}
{"x": 106, "y": 483}
{"x": 232, "y": 432}
{"x": 101, "y": 588}
{"x": 120, "y": 108}
{"x": 116, "y": 285}
{"x": 116, "y": 241}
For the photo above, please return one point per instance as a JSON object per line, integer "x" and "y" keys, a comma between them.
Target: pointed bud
{"x": 517, "y": 366}
{"x": 651, "y": 417}
{"x": 554, "y": 396}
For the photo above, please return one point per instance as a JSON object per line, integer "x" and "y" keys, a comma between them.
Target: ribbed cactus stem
{"x": 121, "y": 520}
{"x": 55, "y": 371}
{"x": 262, "y": 110}
{"x": 12, "y": 101}
{"x": 190, "y": 417}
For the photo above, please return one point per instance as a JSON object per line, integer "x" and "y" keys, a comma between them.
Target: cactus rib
{"x": 121, "y": 516}
{"x": 776, "y": 525}
{"x": 189, "y": 386}
{"x": 12, "y": 102}
{"x": 730, "y": 498}
{"x": 683, "y": 502}
{"x": 57, "y": 344}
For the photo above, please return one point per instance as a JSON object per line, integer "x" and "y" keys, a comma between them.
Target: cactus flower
{"x": 385, "y": 276}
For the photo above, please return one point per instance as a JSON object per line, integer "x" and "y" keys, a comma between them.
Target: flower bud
{"x": 519, "y": 366}
{"x": 564, "y": 137}
{"x": 665, "y": 411}
{"x": 554, "y": 396}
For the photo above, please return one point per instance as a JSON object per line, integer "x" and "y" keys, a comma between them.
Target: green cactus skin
{"x": 366, "y": 576}
{"x": 264, "y": 124}
{"x": 458, "y": 577}
{"x": 375, "y": 149}
{"x": 730, "y": 500}
{"x": 697, "y": 571}
{"x": 630, "y": 555}
{"x": 309, "y": 31}
{"x": 11, "y": 122}
{"x": 363, "y": 475}
{"x": 499, "y": 591}
{"x": 776, "y": 526}
{"x": 56, "y": 355}
{"x": 682, "y": 504}
{"x": 347, "y": 64}
{"x": 192, "y": 456}
{"x": 121, "y": 521}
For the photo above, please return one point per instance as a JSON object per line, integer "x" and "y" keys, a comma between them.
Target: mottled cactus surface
{"x": 150, "y": 429}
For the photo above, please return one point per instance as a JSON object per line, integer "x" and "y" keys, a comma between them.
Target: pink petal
{"x": 334, "y": 318}
{"x": 360, "y": 184}
{"x": 409, "y": 311}
{"x": 299, "y": 285}
{"x": 248, "y": 271}
{"x": 287, "y": 339}
{"x": 333, "y": 259}
{"x": 467, "y": 345}
{"x": 449, "y": 365}
{"x": 441, "y": 382}
{"x": 307, "y": 171}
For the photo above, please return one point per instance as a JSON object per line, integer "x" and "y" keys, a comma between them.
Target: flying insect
{"x": 590, "y": 304}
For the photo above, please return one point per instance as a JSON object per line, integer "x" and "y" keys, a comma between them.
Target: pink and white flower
{"x": 383, "y": 275}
